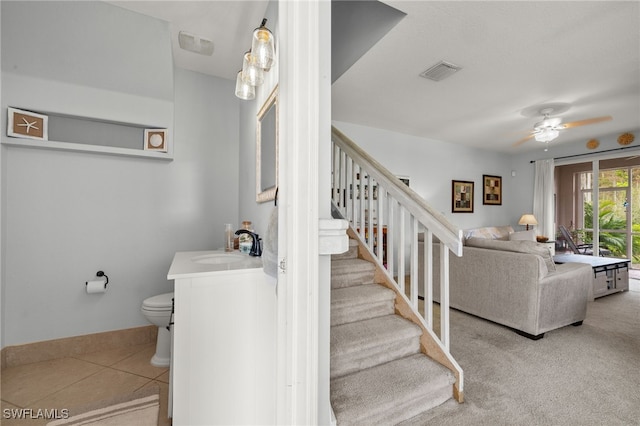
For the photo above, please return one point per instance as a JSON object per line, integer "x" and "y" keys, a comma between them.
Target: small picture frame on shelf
{"x": 462, "y": 196}
{"x": 492, "y": 190}
{"x": 27, "y": 124}
{"x": 155, "y": 140}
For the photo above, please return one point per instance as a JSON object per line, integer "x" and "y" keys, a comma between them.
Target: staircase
{"x": 379, "y": 374}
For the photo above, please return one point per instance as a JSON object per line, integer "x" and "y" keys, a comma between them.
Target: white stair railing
{"x": 378, "y": 204}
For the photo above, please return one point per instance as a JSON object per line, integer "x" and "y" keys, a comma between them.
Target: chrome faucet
{"x": 256, "y": 245}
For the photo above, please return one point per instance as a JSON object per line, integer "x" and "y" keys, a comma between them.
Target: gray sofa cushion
{"x": 518, "y": 246}
{"x": 523, "y": 235}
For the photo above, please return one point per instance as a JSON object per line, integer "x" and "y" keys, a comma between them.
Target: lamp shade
{"x": 244, "y": 90}
{"x": 527, "y": 219}
{"x": 546, "y": 135}
{"x": 262, "y": 47}
{"x": 251, "y": 72}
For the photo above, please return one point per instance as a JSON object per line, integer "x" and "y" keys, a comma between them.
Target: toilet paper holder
{"x": 100, "y": 274}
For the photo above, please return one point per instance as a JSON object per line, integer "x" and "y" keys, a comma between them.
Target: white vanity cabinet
{"x": 224, "y": 341}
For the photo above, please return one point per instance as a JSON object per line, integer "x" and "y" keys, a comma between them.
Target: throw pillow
{"x": 489, "y": 232}
{"x": 541, "y": 250}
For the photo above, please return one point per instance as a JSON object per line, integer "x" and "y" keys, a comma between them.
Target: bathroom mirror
{"x": 267, "y": 149}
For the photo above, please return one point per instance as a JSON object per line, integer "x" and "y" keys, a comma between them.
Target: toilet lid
{"x": 159, "y": 301}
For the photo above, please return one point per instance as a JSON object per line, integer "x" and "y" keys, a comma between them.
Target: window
{"x": 618, "y": 213}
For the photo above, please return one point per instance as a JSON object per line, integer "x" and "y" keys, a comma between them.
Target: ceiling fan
{"x": 548, "y": 129}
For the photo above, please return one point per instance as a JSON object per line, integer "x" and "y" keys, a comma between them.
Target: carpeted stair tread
{"x": 351, "y": 272}
{"x": 350, "y": 304}
{"x": 363, "y": 344}
{"x": 391, "y": 392}
{"x": 351, "y": 253}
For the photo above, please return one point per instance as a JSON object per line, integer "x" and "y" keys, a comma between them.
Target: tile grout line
{"x": 69, "y": 385}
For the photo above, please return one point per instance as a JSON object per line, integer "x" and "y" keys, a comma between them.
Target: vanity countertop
{"x": 193, "y": 264}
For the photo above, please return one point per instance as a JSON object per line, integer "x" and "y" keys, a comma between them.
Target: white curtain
{"x": 543, "y": 208}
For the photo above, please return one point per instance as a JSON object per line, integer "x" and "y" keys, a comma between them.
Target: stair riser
{"x": 403, "y": 410}
{"x": 341, "y": 279}
{"x": 348, "y": 314}
{"x": 378, "y": 374}
{"x": 352, "y": 253}
{"x": 344, "y": 364}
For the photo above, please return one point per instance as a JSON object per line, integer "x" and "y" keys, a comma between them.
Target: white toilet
{"x": 157, "y": 309}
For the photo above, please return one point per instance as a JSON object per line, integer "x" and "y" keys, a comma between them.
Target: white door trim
{"x": 300, "y": 109}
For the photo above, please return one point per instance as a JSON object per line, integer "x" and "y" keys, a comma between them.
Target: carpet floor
{"x": 586, "y": 375}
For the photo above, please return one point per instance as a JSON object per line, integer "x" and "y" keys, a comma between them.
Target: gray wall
{"x": 257, "y": 213}
{"x": 522, "y": 189}
{"x": 431, "y": 166}
{"x": 66, "y": 215}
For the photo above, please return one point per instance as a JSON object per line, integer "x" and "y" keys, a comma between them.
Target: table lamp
{"x": 527, "y": 219}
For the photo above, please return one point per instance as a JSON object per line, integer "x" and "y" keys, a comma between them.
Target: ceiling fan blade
{"x": 523, "y": 140}
{"x": 585, "y": 122}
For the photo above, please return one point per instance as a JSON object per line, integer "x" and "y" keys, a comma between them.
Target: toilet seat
{"x": 161, "y": 302}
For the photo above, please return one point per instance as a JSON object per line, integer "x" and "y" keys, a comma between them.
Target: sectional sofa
{"x": 513, "y": 281}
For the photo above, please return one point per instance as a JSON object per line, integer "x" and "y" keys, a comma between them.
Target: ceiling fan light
{"x": 547, "y": 123}
{"x": 546, "y": 135}
{"x": 262, "y": 47}
{"x": 243, "y": 90}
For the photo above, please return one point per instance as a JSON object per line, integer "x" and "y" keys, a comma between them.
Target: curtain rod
{"x": 590, "y": 153}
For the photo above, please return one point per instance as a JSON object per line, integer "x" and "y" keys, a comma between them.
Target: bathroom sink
{"x": 219, "y": 258}
{"x": 203, "y": 263}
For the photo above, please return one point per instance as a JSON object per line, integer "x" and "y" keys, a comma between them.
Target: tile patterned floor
{"x": 75, "y": 381}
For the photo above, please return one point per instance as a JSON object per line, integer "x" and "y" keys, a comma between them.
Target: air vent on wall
{"x": 194, "y": 43}
{"x": 440, "y": 71}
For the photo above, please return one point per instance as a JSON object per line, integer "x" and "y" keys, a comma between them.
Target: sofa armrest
{"x": 564, "y": 295}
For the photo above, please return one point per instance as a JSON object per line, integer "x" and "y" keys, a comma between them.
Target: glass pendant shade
{"x": 547, "y": 135}
{"x": 262, "y": 47}
{"x": 244, "y": 90}
{"x": 251, "y": 72}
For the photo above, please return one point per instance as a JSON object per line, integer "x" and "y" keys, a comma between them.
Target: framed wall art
{"x": 462, "y": 196}
{"x": 404, "y": 179}
{"x": 492, "y": 190}
{"x": 155, "y": 140}
{"x": 26, "y": 124}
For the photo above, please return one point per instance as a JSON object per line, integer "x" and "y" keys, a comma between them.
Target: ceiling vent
{"x": 440, "y": 71}
{"x": 194, "y": 43}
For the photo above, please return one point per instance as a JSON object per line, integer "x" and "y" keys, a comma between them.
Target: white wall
{"x": 66, "y": 215}
{"x": 431, "y": 166}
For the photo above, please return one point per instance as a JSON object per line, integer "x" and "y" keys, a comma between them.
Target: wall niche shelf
{"x": 96, "y": 136}
{"x": 95, "y": 149}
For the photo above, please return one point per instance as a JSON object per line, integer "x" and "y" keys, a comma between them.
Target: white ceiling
{"x": 515, "y": 56}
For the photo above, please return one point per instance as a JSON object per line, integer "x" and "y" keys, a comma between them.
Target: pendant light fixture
{"x": 256, "y": 62}
{"x": 244, "y": 90}
{"x": 251, "y": 72}
{"x": 262, "y": 46}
